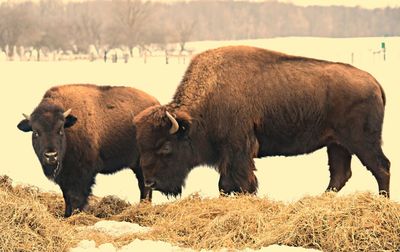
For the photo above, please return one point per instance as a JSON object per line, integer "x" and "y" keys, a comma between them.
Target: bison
{"x": 237, "y": 103}
{"x": 82, "y": 130}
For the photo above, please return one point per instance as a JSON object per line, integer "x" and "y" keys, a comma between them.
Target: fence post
{"x": 383, "y": 46}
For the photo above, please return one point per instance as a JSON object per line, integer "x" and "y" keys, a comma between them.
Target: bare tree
{"x": 185, "y": 30}
{"x": 17, "y": 26}
{"x": 129, "y": 19}
{"x": 86, "y": 28}
{"x": 54, "y": 25}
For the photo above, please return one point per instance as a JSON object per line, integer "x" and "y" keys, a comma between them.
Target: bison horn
{"x": 66, "y": 113}
{"x": 175, "y": 126}
{"x": 26, "y": 116}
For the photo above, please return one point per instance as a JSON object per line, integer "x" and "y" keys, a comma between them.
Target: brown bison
{"x": 238, "y": 103}
{"x": 82, "y": 130}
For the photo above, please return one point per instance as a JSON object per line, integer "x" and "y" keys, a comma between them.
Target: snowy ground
{"x": 120, "y": 228}
{"x": 139, "y": 245}
{"x": 286, "y": 179}
{"x": 117, "y": 228}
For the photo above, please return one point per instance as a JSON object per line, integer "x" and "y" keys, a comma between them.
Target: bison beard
{"x": 238, "y": 103}
{"x": 97, "y": 137}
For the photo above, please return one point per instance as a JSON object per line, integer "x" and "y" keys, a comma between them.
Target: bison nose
{"x": 51, "y": 154}
{"x": 149, "y": 183}
{"x": 51, "y": 157}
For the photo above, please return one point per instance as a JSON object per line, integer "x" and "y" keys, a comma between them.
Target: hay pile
{"x": 358, "y": 222}
{"x": 27, "y": 225}
{"x": 29, "y": 220}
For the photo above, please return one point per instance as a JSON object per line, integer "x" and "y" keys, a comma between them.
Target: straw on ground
{"x": 30, "y": 220}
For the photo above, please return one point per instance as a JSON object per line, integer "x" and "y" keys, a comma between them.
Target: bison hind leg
{"x": 363, "y": 138}
{"x": 339, "y": 167}
{"x": 371, "y": 156}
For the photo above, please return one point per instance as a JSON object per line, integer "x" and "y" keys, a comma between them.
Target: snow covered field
{"x": 287, "y": 179}
{"x": 119, "y": 228}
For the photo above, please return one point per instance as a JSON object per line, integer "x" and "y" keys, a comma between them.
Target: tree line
{"x": 75, "y": 26}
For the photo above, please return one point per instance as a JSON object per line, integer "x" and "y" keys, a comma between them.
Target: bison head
{"x": 166, "y": 154}
{"x": 47, "y": 124}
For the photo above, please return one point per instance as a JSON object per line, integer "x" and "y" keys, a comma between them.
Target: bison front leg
{"x": 339, "y": 167}
{"x": 146, "y": 193}
{"x": 68, "y": 205}
{"x": 236, "y": 166}
{"x": 73, "y": 201}
{"x": 76, "y": 196}
{"x": 238, "y": 178}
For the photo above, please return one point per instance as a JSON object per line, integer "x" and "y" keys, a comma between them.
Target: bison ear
{"x": 24, "y": 125}
{"x": 69, "y": 121}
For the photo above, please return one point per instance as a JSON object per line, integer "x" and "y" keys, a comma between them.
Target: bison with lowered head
{"x": 82, "y": 130}
{"x": 238, "y": 103}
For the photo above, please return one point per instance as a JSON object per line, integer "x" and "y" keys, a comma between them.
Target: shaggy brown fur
{"x": 98, "y": 136}
{"x": 237, "y": 103}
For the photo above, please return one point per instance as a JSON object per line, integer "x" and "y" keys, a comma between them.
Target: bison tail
{"x": 382, "y": 92}
{"x": 383, "y": 95}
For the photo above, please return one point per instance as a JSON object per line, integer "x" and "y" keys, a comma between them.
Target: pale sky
{"x": 369, "y": 4}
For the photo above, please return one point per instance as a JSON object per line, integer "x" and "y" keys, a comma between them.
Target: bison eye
{"x": 165, "y": 149}
{"x": 35, "y": 134}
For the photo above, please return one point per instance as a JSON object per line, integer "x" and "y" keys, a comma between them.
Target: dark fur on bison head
{"x": 166, "y": 163}
{"x": 48, "y": 124}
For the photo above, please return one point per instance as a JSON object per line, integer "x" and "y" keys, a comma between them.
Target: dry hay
{"x": 357, "y": 222}
{"x": 360, "y": 222}
{"x": 26, "y": 225}
{"x": 106, "y": 207}
{"x": 98, "y": 209}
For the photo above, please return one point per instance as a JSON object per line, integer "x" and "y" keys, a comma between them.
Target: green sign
{"x": 383, "y": 46}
